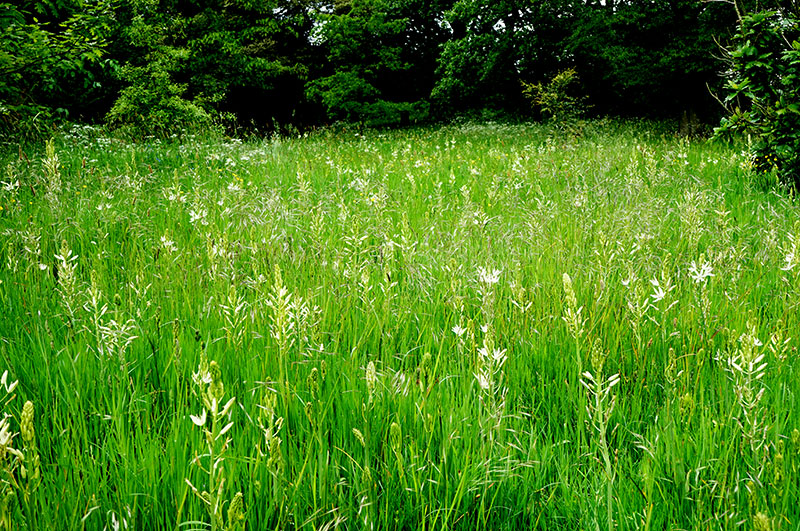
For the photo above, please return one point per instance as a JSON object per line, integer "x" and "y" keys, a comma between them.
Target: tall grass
{"x": 467, "y": 327}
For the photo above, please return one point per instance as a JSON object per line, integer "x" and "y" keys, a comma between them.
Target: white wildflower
{"x": 199, "y": 420}
{"x": 5, "y": 432}
{"x": 497, "y": 356}
{"x": 10, "y": 186}
{"x": 9, "y": 387}
{"x": 791, "y": 259}
{"x": 484, "y": 380}
{"x": 700, "y": 273}
{"x": 200, "y": 215}
{"x": 458, "y": 330}
{"x": 488, "y": 276}
{"x": 658, "y": 292}
{"x": 168, "y": 244}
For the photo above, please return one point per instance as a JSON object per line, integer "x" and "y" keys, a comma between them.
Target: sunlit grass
{"x": 391, "y": 313}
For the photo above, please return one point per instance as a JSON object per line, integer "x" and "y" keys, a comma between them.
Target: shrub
{"x": 349, "y": 97}
{"x": 557, "y": 100}
{"x": 153, "y": 102}
{"x": 764, "y": 91}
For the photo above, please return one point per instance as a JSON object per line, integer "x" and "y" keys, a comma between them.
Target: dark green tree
{"x": 634, "y": 58}
{"x": 194, "y": 62}
{"x": 659, "y": 57}
{"x": 251, "y": 58}
{"x": 380, "y": 57}
{"x": 151, "y": 49}
{"x": 51, "y": 58}
{"x": 495, "y": 46}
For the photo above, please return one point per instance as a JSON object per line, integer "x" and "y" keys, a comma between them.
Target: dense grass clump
{"x": 468, "y": 327}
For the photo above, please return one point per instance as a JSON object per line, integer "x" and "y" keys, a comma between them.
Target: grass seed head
{"x": 598, "y": 356}
{"x": 275, "y": 461}
{"x": 360, "y": 437}
{"x": 670, "y": 372}
{"x": 216, "y": 389}
{"x": 569, "y": 292}
{"x": 311, "y": 413}
{"x": 686, "y": 406}
{"x": 425, "y": 371}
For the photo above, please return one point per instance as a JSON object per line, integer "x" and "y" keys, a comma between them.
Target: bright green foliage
{"x": 764, "y": 87}
{"x": 469, "y": 328}
{"x": 152, "y": 101}
{"x": 187, "y": 65}
{"x": 557, "y": 100}
{"x": 345, "y": 95}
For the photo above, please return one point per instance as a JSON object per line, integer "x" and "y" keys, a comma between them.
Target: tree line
{"x": 158, "y": 65}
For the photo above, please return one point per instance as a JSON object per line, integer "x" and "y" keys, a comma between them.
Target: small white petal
{"x": 201, "y": 420}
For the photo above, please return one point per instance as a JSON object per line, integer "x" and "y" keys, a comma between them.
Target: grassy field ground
{"x": 467, "y": 327}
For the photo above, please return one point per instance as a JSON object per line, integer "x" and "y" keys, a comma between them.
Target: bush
{"x": 153, "y": 103}
{"x": 349, "y": 97}
{"x": 764, "y": 92}
{"x": 557, "y": 100}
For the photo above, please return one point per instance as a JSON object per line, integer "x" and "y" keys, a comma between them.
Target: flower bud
{"x": 236, "y": 512}
{"x": 313, "y": 383}
{"x": 395, "y": 436}
{"x": 26, "y": 425}
{"x": 762, "y": 522}
{"x": 598, "y": 356}
{"x": 372, "y": 379}
{"x": 360, "y": 437}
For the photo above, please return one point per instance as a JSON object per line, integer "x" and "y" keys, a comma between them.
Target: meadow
{"x": 475, "y": 326}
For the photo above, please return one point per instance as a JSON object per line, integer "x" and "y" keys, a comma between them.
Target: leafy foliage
{"x": 155, "y": 65}
{"x": 250, "y": 58}
{"x": 493, "y": 45}
{"x": 364, "y": 41}
{"x": 649, "y": 57}
{"x": 557, "y": 99}
{"x": 152, "y": 100}
{"x": 764, "y": 91}
{"x": 50, "y": 57}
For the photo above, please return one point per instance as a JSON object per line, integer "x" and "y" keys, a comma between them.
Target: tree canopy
{"x": 157, "y": 65}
